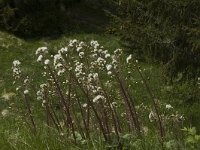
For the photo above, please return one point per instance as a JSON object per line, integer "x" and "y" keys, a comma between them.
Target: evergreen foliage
{"x": 34, "y": 17}
{"x": 166, "y": 31}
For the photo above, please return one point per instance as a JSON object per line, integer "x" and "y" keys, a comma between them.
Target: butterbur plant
{"x": 87, "y": 91}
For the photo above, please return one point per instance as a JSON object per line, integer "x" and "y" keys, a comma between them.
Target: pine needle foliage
{"x": 166, "y": 31}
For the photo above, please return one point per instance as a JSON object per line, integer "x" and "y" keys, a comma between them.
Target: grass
{"x": 13, "y": 128}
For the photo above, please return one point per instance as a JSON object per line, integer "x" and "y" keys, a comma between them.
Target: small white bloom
{"x": 168, "y": 106}
{"x": 84, "y": 105}
{"x": 41, "y": 50}
{"x": 39, "y": 58}
{"x": 16, "y": 63}
{"x": 47, "y": 61}
{"x": 17, "y": 89}
{"x": 78, "y": 49}
{"x": 109, "y": 73}
{"x": 26, "y": 92}
{"x": 128, "y": 58}
{"x": 81, "y": 54}
{"x": 107, "y": 55}
{"x": 95, "y": 76}
{"x": 97, "y": 98}
{"x": 26, "y": 81}
{"x": 108, "y": 67}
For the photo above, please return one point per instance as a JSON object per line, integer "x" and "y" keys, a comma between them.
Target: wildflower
{"x": 109, "y": 72}
{"x": 95, "y": 44}
{"x": 81, "y": 44}
{"x": 78, "y": 49}
{"x": 26, "y": 92}
{"x": 84, "y": 105}
{"x": 107, "y": 55}
{"x": 108, "y": 67}
{"x": 95, "y": 76}
{"x": 63, "y": 50}
{"x": 39, "y": 59}
{"x": 128, "y": 58}
{"x": 16, "y": 69}
{"x": 81, "y": 54}
{"x": 168, "y": 106}
{"x": 26, "y": 81}
{"x": 57, "y": 58}
{"x": 41, "y": 50}
{"x": 16, "y": 63}
{"x": 118, "y": 51}
{"x": 47, "y": 61}
{"x": 61, "y": 72}
{"x": 97, "y": 98}
{"x": 17, "y": 89}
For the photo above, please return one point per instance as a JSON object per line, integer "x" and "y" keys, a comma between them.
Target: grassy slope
{"x": 12, "y": 129}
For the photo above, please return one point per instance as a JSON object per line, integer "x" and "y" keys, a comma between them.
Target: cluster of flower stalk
{"x": 87, "y": 90}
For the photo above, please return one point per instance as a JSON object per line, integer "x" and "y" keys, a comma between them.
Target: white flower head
{"x": 26, "y": 92}
{"x": 84, "y": 105}
{"x": 108, "y": 67}
{"x": 107, "y": 55}
{"x": 47, "y": 61}
{"x": 81, "y": 54}
{"x": 95, "y": 76}
{"x": 16, "y": 63}
{"x": 40, "y": 57}
{"x": 41, "y": 50}
{"x": 168, "y": 106}
{"x": 97, "y": 98}
{"x": 109, "y": 73}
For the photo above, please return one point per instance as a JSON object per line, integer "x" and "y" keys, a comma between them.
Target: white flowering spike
{"x": 16, "y": 69}
{"x": 128, "y": 58}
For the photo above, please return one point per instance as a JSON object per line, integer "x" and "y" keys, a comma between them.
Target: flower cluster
{"x": 16, "y": 69}
{"x": 89, "y": 88}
